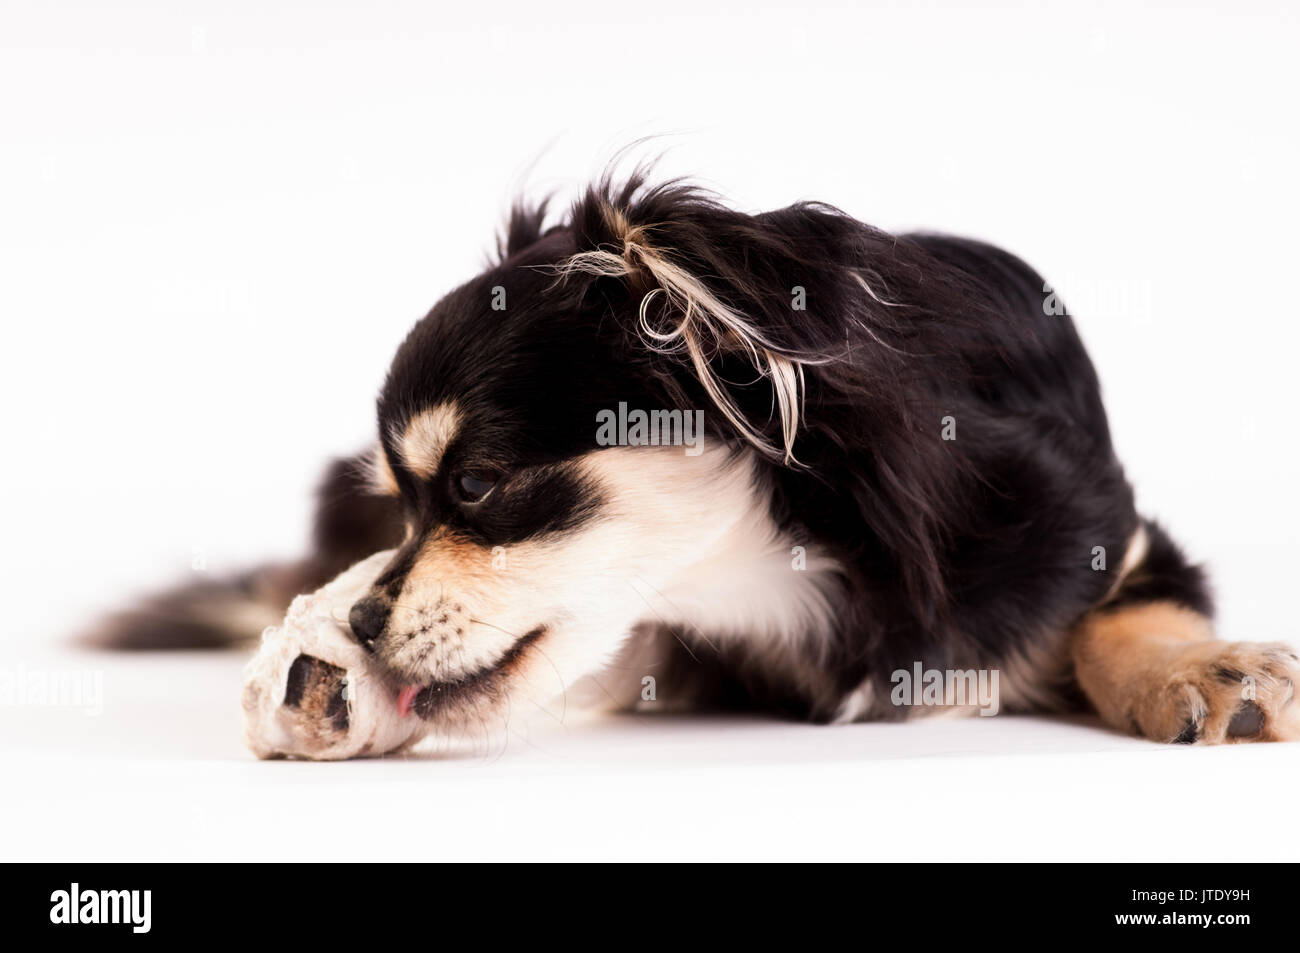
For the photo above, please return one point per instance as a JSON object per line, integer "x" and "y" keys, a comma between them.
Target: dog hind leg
{"x": 1149, "y": 663}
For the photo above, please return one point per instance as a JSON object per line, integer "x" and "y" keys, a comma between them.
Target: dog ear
{"x": 764, "y": 314}
{"x": 711, "y": 289}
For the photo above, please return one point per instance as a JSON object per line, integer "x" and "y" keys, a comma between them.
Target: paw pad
{"x": 1247, "y": 722}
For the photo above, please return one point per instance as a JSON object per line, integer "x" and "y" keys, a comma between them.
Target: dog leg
{"x": 1156, "y": 670}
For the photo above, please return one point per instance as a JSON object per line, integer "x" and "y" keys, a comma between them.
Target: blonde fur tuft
{"x": 708, "y": 327}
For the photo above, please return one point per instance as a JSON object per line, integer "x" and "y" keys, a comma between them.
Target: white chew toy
{"x": 310, "y": 691}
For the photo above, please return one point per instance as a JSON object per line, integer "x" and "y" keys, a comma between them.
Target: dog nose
{"x": 367, "y": 617}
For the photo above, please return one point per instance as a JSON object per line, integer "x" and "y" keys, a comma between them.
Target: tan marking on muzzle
{"x": 448, "y": 567}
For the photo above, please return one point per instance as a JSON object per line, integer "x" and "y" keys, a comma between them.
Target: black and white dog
{"x": 762, "y": 460}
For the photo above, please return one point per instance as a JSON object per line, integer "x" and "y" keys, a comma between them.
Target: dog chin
{"x": 446, "y": 700}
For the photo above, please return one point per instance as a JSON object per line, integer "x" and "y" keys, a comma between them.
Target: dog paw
{"x": 1217, "y": 692}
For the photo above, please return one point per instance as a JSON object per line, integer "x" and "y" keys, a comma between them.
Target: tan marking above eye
{"x": 425, "y": 438}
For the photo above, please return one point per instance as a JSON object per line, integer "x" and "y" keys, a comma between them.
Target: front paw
{"x": 1217, "y": 692}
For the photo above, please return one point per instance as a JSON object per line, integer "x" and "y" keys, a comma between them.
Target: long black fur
{"x": 962, "y": 553}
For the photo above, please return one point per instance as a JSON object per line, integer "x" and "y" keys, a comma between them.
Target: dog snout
{"x": 367, "y": 618}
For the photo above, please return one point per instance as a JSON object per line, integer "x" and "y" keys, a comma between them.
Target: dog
{"x": 666, "y": 453}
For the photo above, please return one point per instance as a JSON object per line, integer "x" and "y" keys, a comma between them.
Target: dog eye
{"x": 472, "y": 487}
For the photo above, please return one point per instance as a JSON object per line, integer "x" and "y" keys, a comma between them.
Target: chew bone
{"x": 310, "y": 692}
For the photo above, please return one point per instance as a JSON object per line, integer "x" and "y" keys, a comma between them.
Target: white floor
{"x": 160, "y": 774}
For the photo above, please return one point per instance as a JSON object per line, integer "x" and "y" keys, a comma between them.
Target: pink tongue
{"x": 405, "y": 698}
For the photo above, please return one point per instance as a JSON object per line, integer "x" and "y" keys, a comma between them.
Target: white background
{"x": 217, "y": 220}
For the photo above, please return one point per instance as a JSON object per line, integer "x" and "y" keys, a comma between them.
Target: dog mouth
{"x": 432, "y": 699}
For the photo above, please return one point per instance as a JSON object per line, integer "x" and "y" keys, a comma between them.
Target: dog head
{"x": 549, "y": 512}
